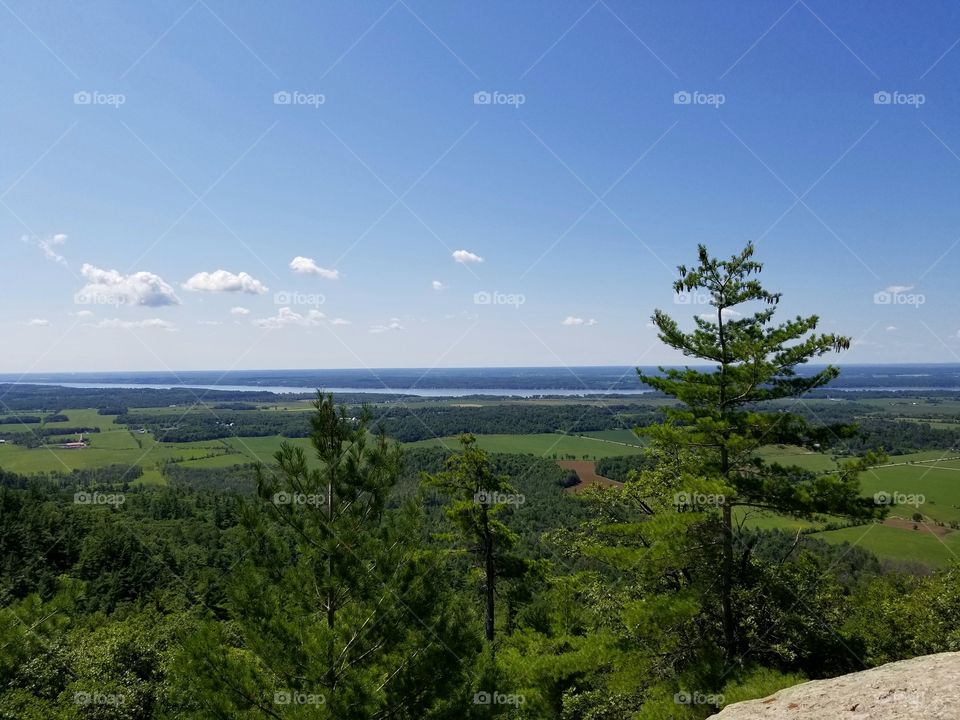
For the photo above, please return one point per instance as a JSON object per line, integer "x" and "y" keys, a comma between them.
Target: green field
{"x": 789, "y": 455}
{"x": 894, "y": 543}
{"x": 623, "y": 437}
{"x": 924, "y": 477}
{"x": 551, "y": 445}
{"x": 116, "y": 444}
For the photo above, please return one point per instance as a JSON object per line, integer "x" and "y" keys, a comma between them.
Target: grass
{"x": 891, "y": 542}
{"x": 937, "y": 483}
{"x": 800, "y": 457}
{"x": 552, "y": 445}
{"x": 624, "y": 437}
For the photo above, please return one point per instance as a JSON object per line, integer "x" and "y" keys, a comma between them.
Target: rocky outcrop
{"x": 925, "y": 687}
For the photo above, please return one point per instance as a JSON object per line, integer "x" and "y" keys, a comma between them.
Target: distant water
{"x": 460, "y": 382}
{"x": 291, "y": 390}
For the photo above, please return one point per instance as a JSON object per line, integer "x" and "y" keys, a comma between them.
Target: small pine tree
{"x": 477, "y": 497}
{"x": 337, "y": 602}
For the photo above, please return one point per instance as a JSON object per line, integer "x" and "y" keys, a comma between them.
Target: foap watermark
{"x": 499, "y": 298}
{"x": 493, "y": 497}
{"x": 692, "y": 298}
{"x": 895, "y": 97}
{"x": 296, "y": 97}
{"x": 486, "y": 97}
{"x": 93, "y": 298}
{"x": 295, "y": 697}
{"x": 498, "y": 698}
{"x": 287, "y": 498}
{"x": 686, "y": 97}
{"x": 698, "y": 499}
{"x": 695, "y": 697}
{"x": 288, "y": 298}
{"x": 898, "y": 498}
{"x": 95, "y": 97}
{"x": 82, "y": 697}
{"x": 99, "y": 498}
{"x": 899, "y": 295}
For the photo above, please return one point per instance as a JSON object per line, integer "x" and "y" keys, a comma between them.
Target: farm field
{"x": 118, "y": 445}
{"x": 789, "y": 455}
{"x": 587, "y": 472}
{"x": 624, "y": 437}
{"x": 925, "y": 477}
{"x": 551, "y": 445}
{"x": 900, "y": 544}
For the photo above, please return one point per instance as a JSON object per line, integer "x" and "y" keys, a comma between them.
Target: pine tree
{"x": 721, "y": 416}
{"x": 478, "y": 495}
{"x": 338, "y": 610}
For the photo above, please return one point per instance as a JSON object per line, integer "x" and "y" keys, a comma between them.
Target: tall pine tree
{"x": 721, "y": 417}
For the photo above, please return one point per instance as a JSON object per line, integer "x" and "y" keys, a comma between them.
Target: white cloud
{"x": 81, "y": 313}
{"x": 437, "y": 285}
{"x": 341, "y": 321}
{"x": 307, "y": 266}
{"x": 891, "y": 328}
{"x": 394, "y": 324}
{"x": 224, "y": 281}
{"x": 239, "y": 311}
{"x": 725, "y": 314}
{"x": 110, "y": 287}
{"x": 128, "y": 324}
{"x": 209, "y": 322}
{"x": 286, "y": 317}
{"x": 37, "y": 322}
{"x": 465, "y": 256}
{"x": 897, "y": 289}
{"x": 570, "y": 320}
{"x": 47, "y": 245}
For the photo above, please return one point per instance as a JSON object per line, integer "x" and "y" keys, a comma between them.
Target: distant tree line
{"x": 400, "y": 423}
{"x": 31, "y": 419}
{"x": 897, "y": 437}
{"x": 35, "y": 437}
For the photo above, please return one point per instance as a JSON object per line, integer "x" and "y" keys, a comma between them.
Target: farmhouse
{"x": 76, "y": 445}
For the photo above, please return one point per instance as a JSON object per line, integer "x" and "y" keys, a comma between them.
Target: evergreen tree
{"x": 339, "y": 611}
{"x": 477, "y": 497}
{"x": 721, "y": 418}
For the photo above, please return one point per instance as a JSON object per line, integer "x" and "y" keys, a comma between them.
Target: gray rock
{"x": 925, "y": 687}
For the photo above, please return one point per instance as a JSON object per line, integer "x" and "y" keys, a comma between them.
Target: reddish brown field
{"x": 587, "y": 473}
{"x": 905, "y": 524}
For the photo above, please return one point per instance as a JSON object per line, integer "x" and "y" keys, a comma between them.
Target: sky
{"x": 203, "y": 184}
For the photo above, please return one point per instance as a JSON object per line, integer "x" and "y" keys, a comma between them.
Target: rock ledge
{"x": 924, "y": 687}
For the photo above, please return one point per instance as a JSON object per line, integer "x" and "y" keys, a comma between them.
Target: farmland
{"x": 925, "y": 482}
{"x": 550, "y": 445}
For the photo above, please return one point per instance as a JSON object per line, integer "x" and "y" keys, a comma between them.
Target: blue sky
{"x": 145, "y": 147}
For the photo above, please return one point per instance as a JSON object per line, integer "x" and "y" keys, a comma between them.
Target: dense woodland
{"x": 363, "y": 580}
